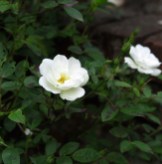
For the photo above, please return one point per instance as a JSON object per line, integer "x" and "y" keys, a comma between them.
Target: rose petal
{"x": 85, "y": 76}
{"x": 78, "y": 74}
{"x": 152, "y": 61}
{"x": 80, "y": 77}
{"x": 143, "y": 50}
{"x": 72, "y": 94}
{"x": 153, "y": 71}
{"x": 47, "y": 86}
{"x": 48, "y": 70}
{"x": 66, "y": 85}
{"x": 133, "y": 52}
{"x": 74, "y": 64}
{"x": 143, "y": 57}
{"x": 61, "y": 63}
{"x": 130, "y": 62}
{"x": 46, "y": 66}
{"x": 138, "y": 52}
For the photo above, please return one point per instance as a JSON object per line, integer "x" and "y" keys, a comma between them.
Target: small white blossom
{"x": 117, "y": 3}
{"x": 143, "y": 60}
{"x": 28, "y": 132}
{"x": 63, "y": 76}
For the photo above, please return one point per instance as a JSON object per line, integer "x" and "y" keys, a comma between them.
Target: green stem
{"x": 156, "y": 131}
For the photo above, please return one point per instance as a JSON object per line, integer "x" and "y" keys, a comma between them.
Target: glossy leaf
{"x": 17, "y": 116}
{"x": 69, "y": 148}
{"x": 11, "y": 156}
{"x": 86, "y": 155}
{"x": 74, "y": 13}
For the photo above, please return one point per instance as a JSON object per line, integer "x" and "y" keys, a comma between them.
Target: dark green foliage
{"x": 117, "y": 121}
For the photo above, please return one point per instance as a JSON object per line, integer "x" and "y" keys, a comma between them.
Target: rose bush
{"x": 45, "y": 115}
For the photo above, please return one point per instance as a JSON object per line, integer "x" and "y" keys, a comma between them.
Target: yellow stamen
{"x": 63, "y": 78}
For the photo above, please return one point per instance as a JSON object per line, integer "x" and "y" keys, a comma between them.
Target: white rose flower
{"x": 63, "y": 76}
{"x": 143, "y": 60}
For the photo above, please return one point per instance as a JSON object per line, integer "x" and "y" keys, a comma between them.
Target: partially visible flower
{"x": 28, "y": 132}
{"x": 71, "y": 4}
{"x": 160, "y": 22}
{"x": 143, "y": 60}
{"x": 63, "y": 76}
{"x": 117, "y": 3}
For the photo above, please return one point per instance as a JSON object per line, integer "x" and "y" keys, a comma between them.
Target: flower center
{"x": 63, "y": 78}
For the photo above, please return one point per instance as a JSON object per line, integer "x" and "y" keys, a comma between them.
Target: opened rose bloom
{"x": 143, "y": 60}
{"x": 63, "y": 76}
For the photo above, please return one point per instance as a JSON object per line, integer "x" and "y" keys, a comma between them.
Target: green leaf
{"x": 2, "y": 142}
{"x": 42, "y": 159}
{"x": 10, "y": 85}
{"x": 117, "y": 158}
{"x": 51, "y": 147}
{"x": 15, "y": 8}
{"x": 35, "y": 43}
{"x": 3, "y": 114}
{"x": 3, "y": 55}
{"x": 49, "y": 4}
{"x": 95, "y": 53}
{"x": 129, "y": 41}
{"x": 158, "y": 97}
{"x": 11, "y": 156}
{"x": 64, "y": 160}
{"x": 17, "y": 116}
{"x": 154, "y": 118}
{"x": 74, "y": 13}
{"x": 142, "y": 146}
{"x": 137, "y": 109}
{"x": 136, "y": 91}
{"x": 4, "y": 6}
{"x": 69, "y": 148}
{"x": 86, "y": 155}
{"x": 35, "y": 119}
{"x": 125, "y": 146}
{"x": 147, "y": 91}
{"x": 30, "y": 81}
{"x": 97, "y": 3}
{"x": 75, "y": 49}
{"x": 64, "y": 2}
{"x": 119, "y": 131}
{"x": 9, "y": 125}
{"x": 108, "y": 114}
{"x": 7, "y": 69}
{"x": 103, "y": 161}
{"x": 122, "y": 84}
{"x": 21, "y": 69}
